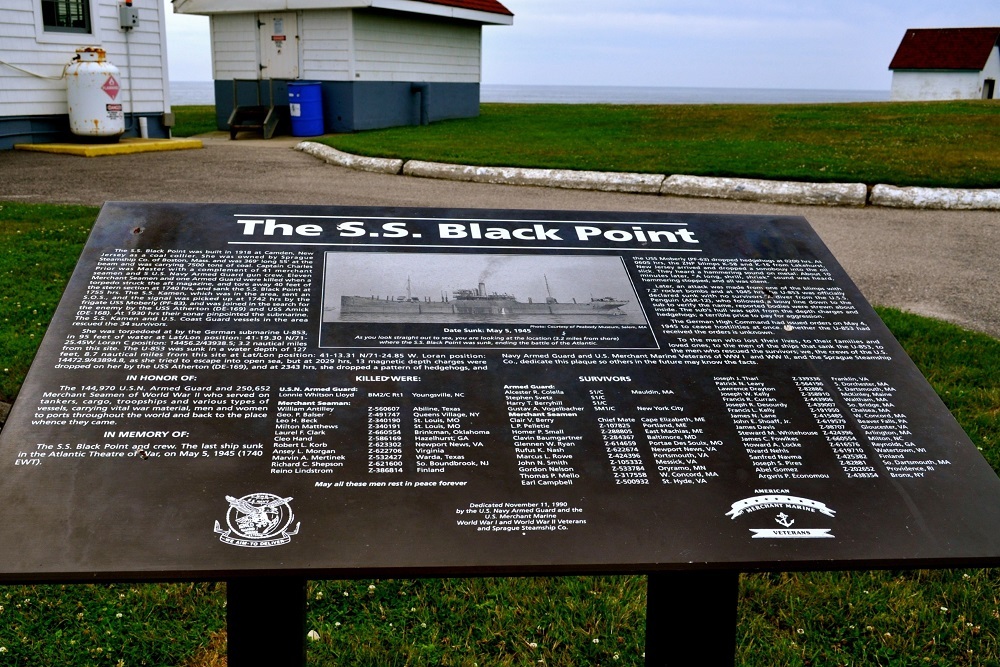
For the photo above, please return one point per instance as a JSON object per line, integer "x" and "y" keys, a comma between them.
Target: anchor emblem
{"x": 784, "y": 520}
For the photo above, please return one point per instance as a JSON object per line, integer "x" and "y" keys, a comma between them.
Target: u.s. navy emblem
{"x": 258, "y": 520}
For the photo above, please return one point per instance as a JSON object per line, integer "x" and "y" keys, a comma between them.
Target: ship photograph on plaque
{"x": 435, "y": 294}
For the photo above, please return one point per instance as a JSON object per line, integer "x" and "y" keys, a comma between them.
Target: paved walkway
{"x": 943, "y": 264}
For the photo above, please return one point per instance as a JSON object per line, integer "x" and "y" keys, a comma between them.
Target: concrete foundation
{"x": 55, "y": 128}
{"x": 350, "y": 106}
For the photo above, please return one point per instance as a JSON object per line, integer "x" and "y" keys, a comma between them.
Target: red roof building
{"x": 946, "y": 63}
{"x": 378, "y": 63}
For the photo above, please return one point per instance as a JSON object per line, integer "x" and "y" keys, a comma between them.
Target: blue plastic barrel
{"x": 305, "y": 101}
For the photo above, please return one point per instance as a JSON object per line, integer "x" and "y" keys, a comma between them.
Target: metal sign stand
{"x": 679, "y": 605}
{"x": 271, "y": 606}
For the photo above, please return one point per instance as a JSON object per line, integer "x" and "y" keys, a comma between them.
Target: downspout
{"x": 127, "y": 29}
{"x": 424, "y": 91}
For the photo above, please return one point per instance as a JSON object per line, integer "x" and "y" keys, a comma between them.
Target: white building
{"x": 947, "y": 64}
{"x": 38, "y": 38}
{"x": 380, "y": 63}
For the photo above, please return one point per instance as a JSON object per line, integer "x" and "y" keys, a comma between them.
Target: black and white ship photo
{"x": 462, "y": 288}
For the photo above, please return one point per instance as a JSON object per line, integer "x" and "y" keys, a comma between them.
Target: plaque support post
{"x": 266, "y": 621}
{"x": 681, "y": 606}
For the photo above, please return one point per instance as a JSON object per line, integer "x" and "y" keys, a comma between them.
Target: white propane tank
{"x": 93, "y": 90}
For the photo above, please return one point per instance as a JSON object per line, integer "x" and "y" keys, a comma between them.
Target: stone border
{"x": 936, "y": 198}
{"x": 554, "y": 178}
{"x": 773, "y": 192}
{"x": 743, "y": 189}
{"x": 341, "y": 159}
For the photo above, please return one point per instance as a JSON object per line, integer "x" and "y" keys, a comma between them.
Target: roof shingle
{"x": 945, "y": 48}
{"x": 491, "y": 6}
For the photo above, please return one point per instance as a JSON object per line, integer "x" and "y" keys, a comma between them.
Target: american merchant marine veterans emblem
{"x": 781, "y": 502}
{"x": 258, "y": 520}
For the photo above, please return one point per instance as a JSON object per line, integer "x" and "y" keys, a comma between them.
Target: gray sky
{"x": 804, "y": 44}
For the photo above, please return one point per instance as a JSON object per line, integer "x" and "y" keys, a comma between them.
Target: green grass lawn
{"x": 39, "y": 246}
{"x": 192, "y": 120}
{"x": 945, "y": 144}
{"x": 898, "y": 618}
{"x": 951, "y": 144}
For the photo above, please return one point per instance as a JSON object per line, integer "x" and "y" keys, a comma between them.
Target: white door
{"x": 279, "y": 45}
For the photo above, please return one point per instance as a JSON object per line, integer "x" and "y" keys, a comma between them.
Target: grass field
{"x": 192, "y": 120}
{"x": 898, "y": 618}
{"x": 950, "y": 144}
{"x": 946, "y": 144}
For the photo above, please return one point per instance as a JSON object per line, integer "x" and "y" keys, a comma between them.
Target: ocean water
{"x": 662, "y": 95}
{"x": 186, "y": 93}
{"x": 202, "y": 92}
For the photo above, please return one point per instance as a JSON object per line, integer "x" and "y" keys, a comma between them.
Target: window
{"x": 66, "y": 15}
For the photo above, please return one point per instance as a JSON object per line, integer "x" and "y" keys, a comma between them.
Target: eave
{"x": 209, "y": 7}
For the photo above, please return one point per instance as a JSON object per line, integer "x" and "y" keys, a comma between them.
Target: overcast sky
{"x": 804, "y": 44}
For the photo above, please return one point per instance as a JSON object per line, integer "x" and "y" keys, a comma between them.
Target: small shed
{"x": 947, "y": 64}
{"x": 379, "y": 63}
{"x": 38, "y": 38}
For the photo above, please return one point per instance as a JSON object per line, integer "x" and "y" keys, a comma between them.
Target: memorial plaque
{"x": 229, "y": 390}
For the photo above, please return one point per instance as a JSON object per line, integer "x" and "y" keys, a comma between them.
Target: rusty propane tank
{"x": 93, "y": 91}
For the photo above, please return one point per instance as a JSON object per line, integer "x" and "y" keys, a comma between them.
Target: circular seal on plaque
{"x": 258, "y": 520}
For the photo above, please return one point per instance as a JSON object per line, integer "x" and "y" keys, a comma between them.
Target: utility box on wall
{"x": 128, "y": 16}
{"x": 380, "y": 63}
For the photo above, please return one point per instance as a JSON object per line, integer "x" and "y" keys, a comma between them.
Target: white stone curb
{"x": 774, "y": 192}
{"x": 341, "y": 159}
{"x": 604, "y": 181}
{"x": 935, "y": 198}
{"x": 744, "y": 189}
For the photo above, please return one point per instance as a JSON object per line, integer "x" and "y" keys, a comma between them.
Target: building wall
{"x": 934, "y": 85}
{"x": 945, "y": 84}
{"x": 325, "y": 52}
{"x": 351, "y": 106}
{"x": 33, "y": 106}
{"x": 410, "y": 48}
{"x": 235, "y": 46}
{"x": 992, "y": 71}
{"x": 352, "y": 45}
{"x": 378, "y": 104}
{"x": 377, "y": 69}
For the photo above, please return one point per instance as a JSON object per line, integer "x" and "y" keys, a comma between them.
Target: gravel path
{"x": 943, "y": 264}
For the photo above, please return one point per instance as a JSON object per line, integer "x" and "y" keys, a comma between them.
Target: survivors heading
{"x": 645, "y": 233}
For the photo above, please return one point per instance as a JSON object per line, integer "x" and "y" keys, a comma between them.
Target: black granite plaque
{"x": 333, "y": 392}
